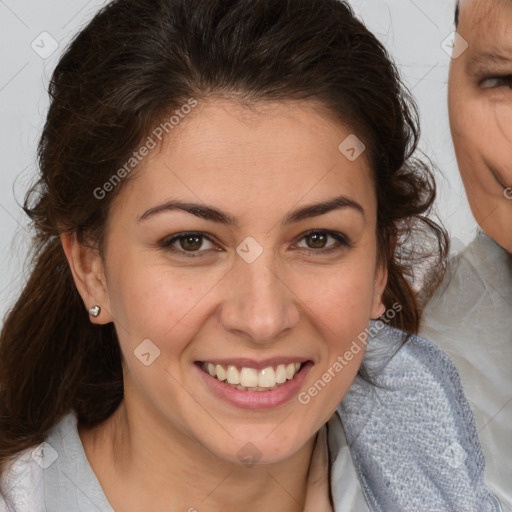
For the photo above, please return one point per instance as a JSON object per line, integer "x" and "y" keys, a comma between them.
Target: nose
{"x": 260, "y": 306}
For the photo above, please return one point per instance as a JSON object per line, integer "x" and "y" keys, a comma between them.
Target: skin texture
{"x": 480, "y": 105}
{"x": 172, "y": 444}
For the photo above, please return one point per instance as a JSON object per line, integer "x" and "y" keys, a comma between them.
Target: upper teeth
{"x": 250, "y": 377}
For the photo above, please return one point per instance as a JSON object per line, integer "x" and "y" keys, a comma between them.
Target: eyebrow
{"x": 493, "y": 56}
{"x": 215, "y": 215}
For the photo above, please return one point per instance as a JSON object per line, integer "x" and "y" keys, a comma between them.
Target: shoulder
{"x": 23, "y": 481}
{"x": 479, "y": 276}
{"x": 403, "y": 379}
{"x": 408, "y": 424}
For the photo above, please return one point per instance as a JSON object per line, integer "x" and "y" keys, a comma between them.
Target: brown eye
{"x": 188, "y": 244}
{"x": 191, "y": 243}
{"x": 317, "y": 240}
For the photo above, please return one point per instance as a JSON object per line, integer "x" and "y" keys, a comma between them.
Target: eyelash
{"x": 505, "y": 81}
{"x": 166, "y": 243}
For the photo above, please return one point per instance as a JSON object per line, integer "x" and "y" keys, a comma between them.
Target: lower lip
{"x": 256, "y": 399}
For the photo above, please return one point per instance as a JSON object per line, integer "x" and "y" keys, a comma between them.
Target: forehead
{"x": 483, "y": 15}
{"x": 238, "y": 156}
{"x": 487, "y": 27}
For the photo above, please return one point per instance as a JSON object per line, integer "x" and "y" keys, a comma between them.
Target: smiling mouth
{"x": 252, "y": 379}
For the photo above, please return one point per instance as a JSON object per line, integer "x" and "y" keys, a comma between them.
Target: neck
{"x": 169, "y": 471}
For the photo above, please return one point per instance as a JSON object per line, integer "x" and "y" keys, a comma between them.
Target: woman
{"x": 224, "y": 189}
{"x": 469, "y": 316}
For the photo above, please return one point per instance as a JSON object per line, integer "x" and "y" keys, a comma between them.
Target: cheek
{"x": 465, "y": 119}
{"x": 474, "y": 144}
{"x": 151, "y": 300}
{"x": 341, "y": 300}
{"x": 165, "y": 303}
{"x": 498, "y": 141}
{"x": 482, "y": 124}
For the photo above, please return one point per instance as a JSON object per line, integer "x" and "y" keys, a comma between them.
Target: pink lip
{"x": 256, "y": 399}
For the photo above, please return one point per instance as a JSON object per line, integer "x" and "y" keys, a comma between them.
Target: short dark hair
{"x": 457, "y": 8}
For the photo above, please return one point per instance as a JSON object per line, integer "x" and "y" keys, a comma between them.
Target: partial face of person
{"x": 241, "y": 263}
{"x": 480, "y": 105}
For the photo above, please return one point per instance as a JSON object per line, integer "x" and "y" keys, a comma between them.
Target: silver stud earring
{"x": 95, "y": 311}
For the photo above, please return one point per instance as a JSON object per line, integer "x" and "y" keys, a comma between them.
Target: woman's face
{"x": 480, "y": 103}
{"x": 281, "y": 268}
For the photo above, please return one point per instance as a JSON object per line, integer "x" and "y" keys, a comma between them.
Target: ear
{"x": 379, "y": 285}
{"x": 88, "y": 273}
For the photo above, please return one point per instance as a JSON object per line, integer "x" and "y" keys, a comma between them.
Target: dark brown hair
{"x": 133, "y": 64}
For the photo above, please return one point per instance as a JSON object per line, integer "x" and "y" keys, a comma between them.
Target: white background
{"x": 412, "y": 30}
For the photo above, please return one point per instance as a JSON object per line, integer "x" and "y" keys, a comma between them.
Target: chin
{"x": 260, "y": 449}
